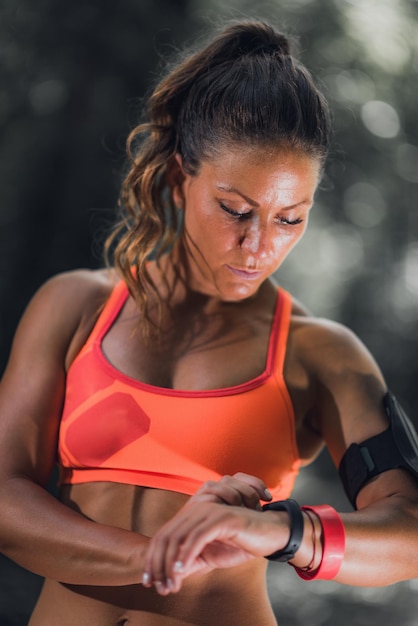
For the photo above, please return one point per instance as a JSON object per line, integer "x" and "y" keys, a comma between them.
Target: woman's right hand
{"x": 238, "y": 490}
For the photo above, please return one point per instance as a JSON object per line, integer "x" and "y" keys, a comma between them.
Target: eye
{"x": 284, "y": 220}
{"x": 237, "y": 214}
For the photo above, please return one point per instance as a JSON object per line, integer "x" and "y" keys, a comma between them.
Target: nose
{"x": 257, "y": 240}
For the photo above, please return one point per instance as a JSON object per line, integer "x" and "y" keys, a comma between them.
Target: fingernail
{"x": 268, "y": 494}
{"x": 178, "y": 566}
{"x": 170, "y": 584}
{"x": 146, "y": 578}
{"x": 159, "y": 587}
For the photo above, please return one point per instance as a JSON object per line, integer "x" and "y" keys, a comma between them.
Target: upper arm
{"x": 33, "y": 385}
{"x": 350, "y": 389}
{"x": 349, "y": 401}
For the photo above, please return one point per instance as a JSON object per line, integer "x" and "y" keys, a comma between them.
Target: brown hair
{"x": 243, "y": 86}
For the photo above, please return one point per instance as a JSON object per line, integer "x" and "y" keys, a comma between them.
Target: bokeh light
{"x": 380, "y": 118}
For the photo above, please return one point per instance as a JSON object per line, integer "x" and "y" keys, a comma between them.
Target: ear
{"x": 175, "y": 179}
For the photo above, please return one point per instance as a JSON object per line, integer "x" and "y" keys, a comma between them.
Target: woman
{"x": 183, "y": 387}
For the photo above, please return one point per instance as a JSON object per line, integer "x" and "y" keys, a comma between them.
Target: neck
{"x": 173, "y": 279}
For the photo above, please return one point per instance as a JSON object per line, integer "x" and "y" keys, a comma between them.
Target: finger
{"x": 208, "y": 492}
{"x": 245, "y": 494}
{"x": 244, "y": 490}
{"x": 162, "y": 551}
{"x": 257, "y": 484}
{"x": 164, "y": 547}
{"x": 180, "y": 528}
{"x": 227, "y": 491}
{"x": 211, "y": 525}
{"x": 154, "y": 567}
{"x": 238, "y": 490}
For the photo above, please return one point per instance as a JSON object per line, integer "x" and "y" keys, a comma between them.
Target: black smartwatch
{"x": 296, "y": 529}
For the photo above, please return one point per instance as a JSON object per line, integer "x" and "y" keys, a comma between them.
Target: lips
{"x": 244, "y": 273}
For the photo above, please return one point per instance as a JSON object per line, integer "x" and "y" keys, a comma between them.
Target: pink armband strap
{"x": 333, "y": 544}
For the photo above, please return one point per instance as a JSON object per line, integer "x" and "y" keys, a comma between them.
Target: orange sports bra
{"x": 115, "y": 428}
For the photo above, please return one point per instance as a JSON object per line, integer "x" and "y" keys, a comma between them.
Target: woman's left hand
{"x": 208, "y": 536}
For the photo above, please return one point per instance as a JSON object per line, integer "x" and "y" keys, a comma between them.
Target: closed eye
{"x": 248, "y": 214}
{"x": 236, "y": 214}
{"x": 284, "y": 220}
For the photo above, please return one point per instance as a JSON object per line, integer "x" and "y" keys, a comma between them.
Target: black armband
{"x": 396, "y": 447}
{"x": 296, "y": 529}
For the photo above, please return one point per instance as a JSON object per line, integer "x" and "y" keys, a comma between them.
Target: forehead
{"x": 258, "y": 168}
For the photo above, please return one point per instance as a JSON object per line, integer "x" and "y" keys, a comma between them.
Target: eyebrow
{"x": 229, "y": 189}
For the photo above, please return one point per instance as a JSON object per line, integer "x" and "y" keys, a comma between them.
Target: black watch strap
{"x": 296, "y": 529}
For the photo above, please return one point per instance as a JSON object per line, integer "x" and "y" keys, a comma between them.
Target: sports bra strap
{"x": 109, "y": 312}
{"x": 281, "y": 331}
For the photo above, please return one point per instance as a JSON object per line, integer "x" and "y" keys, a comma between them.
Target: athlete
{"x": 181, "y": 389}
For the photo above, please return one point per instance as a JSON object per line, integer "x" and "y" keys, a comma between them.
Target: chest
{"x": 196, "y": 350}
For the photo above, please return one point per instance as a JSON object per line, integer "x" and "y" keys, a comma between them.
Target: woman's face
{"x": 244, "y": 212}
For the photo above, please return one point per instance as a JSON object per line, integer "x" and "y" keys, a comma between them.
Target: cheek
{"x": 286, "y": 241}
{"x": 208, "y": 228}
{"x": 197, "y": 214}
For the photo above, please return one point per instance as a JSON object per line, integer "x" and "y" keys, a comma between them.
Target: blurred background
{"x": 72, "y": 75}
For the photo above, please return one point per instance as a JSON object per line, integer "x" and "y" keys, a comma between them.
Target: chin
{"x": 238, "y": 292}
{"x": 227, "y": 290}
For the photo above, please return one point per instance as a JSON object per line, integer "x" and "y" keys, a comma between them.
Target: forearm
{"x": 44, "y": 536}
{"x": 381, "y": 543}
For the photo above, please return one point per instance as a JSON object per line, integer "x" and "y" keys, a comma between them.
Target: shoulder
{"x": 71, "y": 294}
{"x": 324, "y": 344}
{"x": 328, "y": 347}
{"x": 78, "y": 285}
{"x": 62, "y": 305}
{"x": 334, "y": 359}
